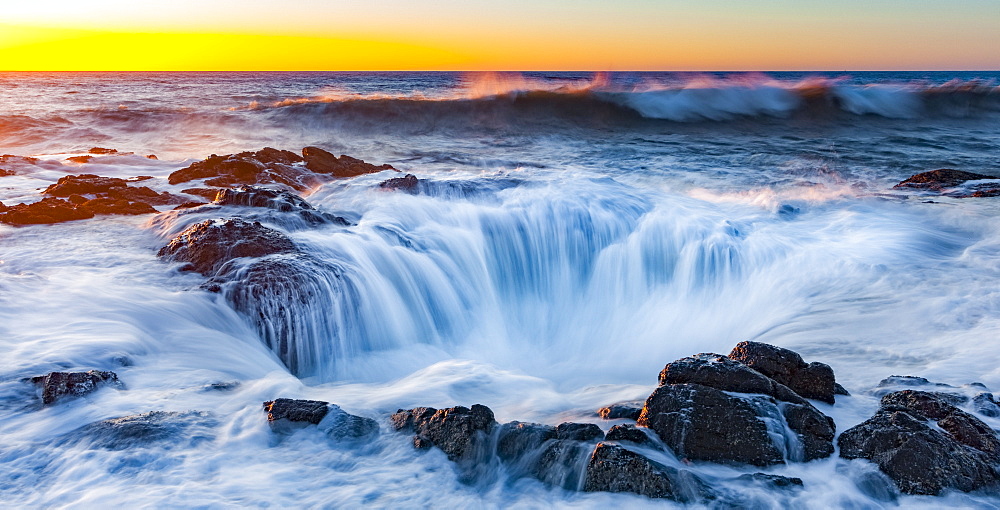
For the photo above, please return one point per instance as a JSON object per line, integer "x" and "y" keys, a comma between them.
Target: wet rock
{"x": 840, "y": 390}
{"x": 517, "y": 439}
{"x": 80, "y": 159}
{"x": 151, "y": 156}
{"x": 189, "y": 205}
{"x": 145, "y": 195}
{"x": 56, "y": 385}
{"x": 960, "y": 425}
{"x": 986, "y": 192}
{"x": 266, "y": 166}
{"x": 561, "y": 462}
{"x": 305, "y": 411}
{"x": 116, "y": 206}
{"x": 6, "y": 173}
{"x": 340, "y": 425}
{"x": 208, "y": 193}
{"x": 771, "y": 481}
{"x": 722, "y": 373}
{"x": 46, "y": 211}
{"x": 282, "y": 201}
{"x": 627, "y": 432}
{"x": 322, "y": 162}
{"x": 918, "y": 458}
{"x": 221, "y": 386}
{"x": 206, "y": 246}
{"x": 702, "y": 423}
{"x": 815, "y": 430}
{"x": 158, "y": 428}
{"x": 630, "y": 410}
{"x": 101, "y": 150}
{"x": 407, "y": 183}
{"x": 940, "y": 179}
{"x": 985, "y": 405}
{"x": 457, "y": 431}
{"x": 811, "y": 380}
{"x": 613, "y": 468}
{"x": 579, "y": 431}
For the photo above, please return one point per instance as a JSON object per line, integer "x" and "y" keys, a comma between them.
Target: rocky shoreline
{"x": 708, "y": 409}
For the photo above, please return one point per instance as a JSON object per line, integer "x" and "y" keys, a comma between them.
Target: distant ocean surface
{"x": 574, "y": 233}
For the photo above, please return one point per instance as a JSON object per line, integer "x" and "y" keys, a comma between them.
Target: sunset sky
{"x": 103, "y": 35}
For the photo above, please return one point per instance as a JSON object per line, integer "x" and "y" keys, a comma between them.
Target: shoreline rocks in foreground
{"x": 946, "y": 180}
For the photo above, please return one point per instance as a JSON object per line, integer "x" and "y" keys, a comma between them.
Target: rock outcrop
{"x": 205, "y": 247}
{"x": 323, "y": 162}
{"x": 56, "y": 385}
{"x": 407, "y": 183}
{"x": 939, "y": 179}
{"x": 959, "y": 452}
{"x": 613, "y": 468}
{"x": 285, "y": 415}
{"x": 630, "y": 410}
{"x": 276, "y": 200}
{"x": 811, "y": 380}
{"x": 457, "y": 431}
{"x": 45, "y": 211}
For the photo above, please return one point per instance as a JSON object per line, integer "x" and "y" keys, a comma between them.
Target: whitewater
{"x": 571, "y": 235}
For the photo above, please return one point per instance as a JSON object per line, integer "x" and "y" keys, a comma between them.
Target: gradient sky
{"x": 512, "y": 35}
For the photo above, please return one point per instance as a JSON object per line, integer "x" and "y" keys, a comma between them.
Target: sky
{"x": 697, "y": 35}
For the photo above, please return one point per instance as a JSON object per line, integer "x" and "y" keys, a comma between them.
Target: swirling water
{"x": 572, "y": 235}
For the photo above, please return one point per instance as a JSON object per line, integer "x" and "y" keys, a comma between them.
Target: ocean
{"x": 572, "y": 234}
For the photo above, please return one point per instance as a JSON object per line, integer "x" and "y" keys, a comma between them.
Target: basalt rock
{"x": 84, "y": 184}
{"x": 630, "y": 410}
{"x": 285, "y": 415}
{"x": 613, "y": 468}
{"x": 45, "y": 211}
{"x": 278, "y": 200}
{"x": 698, "y": 422}
{"x": 627, "y": 432}
{"x": 722, "y": 373}
{"x": 266, "y": 166}
{"x": 917, "y": 457}
{"x": 156, "y": 428}
{"x": 517, "y": 439}
{"x": 322, "y": 162}
{"x": 810, "y": 380}
{"x": 939, "y": 179}
{"x": 407, "y": 183}
{"x": 457, "y": 431}
{"x": 116, "y": 206}
{"x": 56, "y": 385}
{"x": 579, "y": 431}
{"x": 960, "y": 425}
{"x": 206, "y": 246}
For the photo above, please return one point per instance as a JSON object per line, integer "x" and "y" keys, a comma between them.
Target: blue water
{"x": 574, "y": 233}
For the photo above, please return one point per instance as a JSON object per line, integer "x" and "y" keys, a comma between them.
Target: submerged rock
{"x": 939, "y": 179}
{"x": 960, "y": 453}
{"x": 810, "y": 380}
{"x": 46, "y": 211}
{"x": 56, "y": 385}
{"x": 408, "y": 183}
{"x": 630, "y": 410}
{"x": 206, "y": 246}
{"x": 278, "y": 200}
{"x": 613, "y": 468}
{"x": 285, "y": 415}
{"x": 771, "y": 481}
{"x": 306, "y": 411}
{"x": 457, "y": 431}
{"x": 160, "y": 428}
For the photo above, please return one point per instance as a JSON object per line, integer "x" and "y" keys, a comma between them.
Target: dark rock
{"x": 306, "y": 411}
{"x": 151, "y": 156}
{"x": 56, "y": 385}
{"x": 146, "y": 195}
{"x": 918, "y": 458}
{"x": 909, "y": 381}
{"x": 815, "y": 430}
{"x": 627, "y": 432}
{"x": 985, "y": 405}
{"x": 221, "y": 386}
{"x": 116, "y": 206}
{"x": 579, "y": 431}
{"x": 810, "y": 380}
{"x": 630, "y": 410}
{"x": 960, "y": 425}
{"x": 613, "y": 468}
{"x": 939, "y": 179}
{"x": 702, "y": 423}
{"x": 840, "y": 390}
{"x": 6, "y": 173}
{"x": 154, "y": 428}
{"x": 322, "y": 162}
{"x": 282, "y": 201}
{"x": 45, "y": 211}
{"x": 189, "y": 205}
{"x": 343, "y": 426}
{"x": 80, "y": 159}
{"x": 518, "y": 439}
{"x": 986, "y": 193}
{"x": 266, "y": 166}
{"x": 407, "y": 183}
{"x": 209, "y": 193}
{"x": 771, "y": 481}
{"x": 722, "y": 373}
{"x": 457, "y": 431}
{"x": 208, "y": 245}
{"x": 101, "y": 150}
